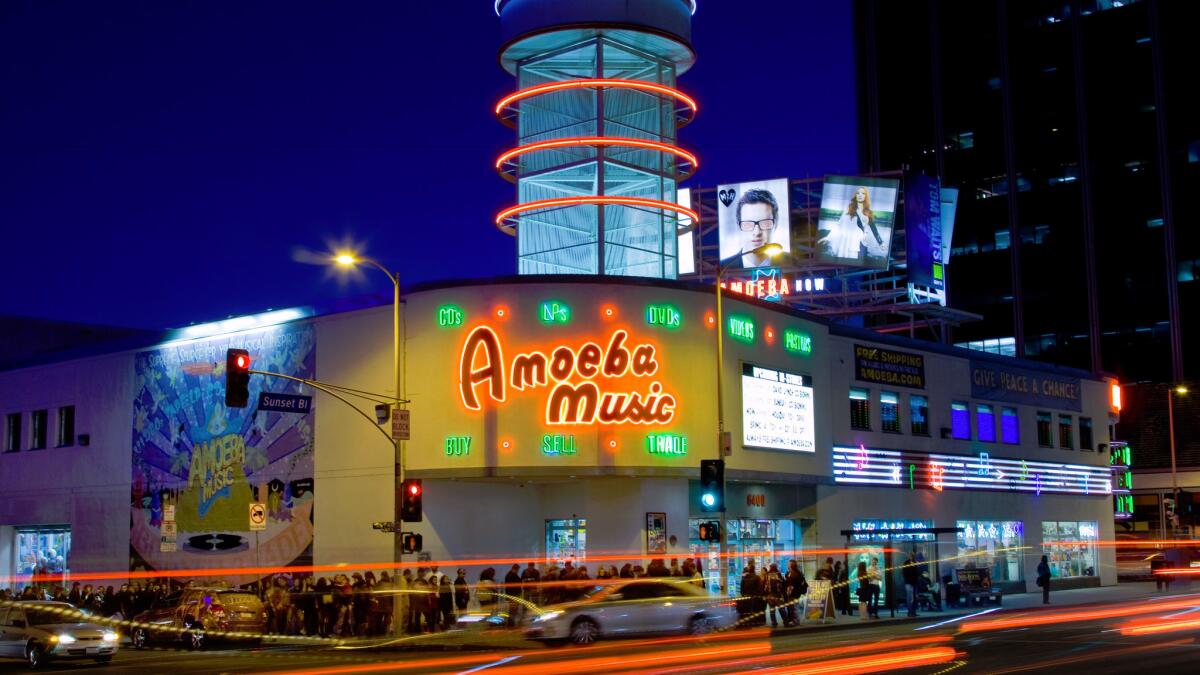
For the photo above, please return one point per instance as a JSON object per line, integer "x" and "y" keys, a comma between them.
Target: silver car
{"x": 37, "y": 632}
{"x": 633, "y": 607}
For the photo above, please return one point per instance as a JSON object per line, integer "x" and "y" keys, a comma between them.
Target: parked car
{"x": 633, "y": 607}
{"x": 38, "y": 631}
{"x": 197, "y": 616}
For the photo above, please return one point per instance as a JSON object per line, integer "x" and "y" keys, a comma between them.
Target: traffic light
{"x": 410, "y": 542}
{"x": 710, "y": 530}
{"x": 712, "y": 485}
{"x": 237, "y": 378}
{"x": 410, "y": 501}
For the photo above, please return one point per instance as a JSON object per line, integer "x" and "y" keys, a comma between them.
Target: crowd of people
{"x": 126, "y": 600}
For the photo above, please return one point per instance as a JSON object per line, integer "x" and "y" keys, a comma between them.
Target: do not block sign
{"x": 258, "y": 517}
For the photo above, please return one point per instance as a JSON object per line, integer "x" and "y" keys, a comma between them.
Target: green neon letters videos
{"x": 741, "y": 328}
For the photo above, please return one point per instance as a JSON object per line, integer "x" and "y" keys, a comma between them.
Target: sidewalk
{"x": 1124, "y": 592}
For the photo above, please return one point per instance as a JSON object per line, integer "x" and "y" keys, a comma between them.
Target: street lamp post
{"x": 351, "y": 260}
{"x": 1181, "y": 390}
{"x": 769, "y": 251}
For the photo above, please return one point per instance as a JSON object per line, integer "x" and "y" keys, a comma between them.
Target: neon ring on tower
{"x": 687, "y": 166}
{"x": 684, "y": 114}
{"x": 596, "y": 200}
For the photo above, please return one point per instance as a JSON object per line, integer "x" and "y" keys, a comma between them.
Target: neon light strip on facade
{"x": 540, "y": 89}
{"x": 598, "y": 140}
{"x": 916, "y": 470}
{"x": 597, "y": 200}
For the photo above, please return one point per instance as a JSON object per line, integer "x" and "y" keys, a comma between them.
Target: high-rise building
{"x": 596, "y": 111}
{"x": 1067, "y": 126}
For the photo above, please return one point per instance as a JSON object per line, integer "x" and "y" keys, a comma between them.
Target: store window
{"x": 1070, "y": 547}
{"x": 1066, "y": 439}
{"x": 12, "y": 432}
{"x": 918, "y": 415}
{"x": 985, "y": 422}
{"x": 763, "y": 540}
{"x": 44, "y": 550}
{"x": 39, "y": 420}
{"x": 889, "y": 412}
{"x": 1010, "y": 426}
{"x": 1044, "y": 420}
{"x": 994, "y": 545}
{"x": 871, "y": 537}
{"x": 960, "y": 421}
{"x": 566, "y": 539}
{"x": 860, "y": 409}
{"x": 1085, "y": 434}
{"x": 66, "y": 426}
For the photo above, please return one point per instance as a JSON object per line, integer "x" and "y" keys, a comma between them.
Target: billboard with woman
{"x": 856, "y": 221}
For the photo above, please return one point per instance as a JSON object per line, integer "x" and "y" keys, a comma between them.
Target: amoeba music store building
{"x": 564, "y": 418}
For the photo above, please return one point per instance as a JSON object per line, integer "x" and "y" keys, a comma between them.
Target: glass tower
{"x": 596, "y": 112}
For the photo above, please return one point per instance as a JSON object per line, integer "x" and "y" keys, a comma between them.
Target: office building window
{"x": 12, "y": 432}
{"x": 985, "y": 422}
{"x": 1085, "y": 434}
{"x": 39, "y": 420}
{"x": 66, "y": 426}
{"x": 860, "y": 409}
{"x": 889, "y": 412}
{"x": 1066, "y": 439}
{"x": 1044, "y": 420}
{"x": 960, "y": 421}
{"x": 918, "y": 415}
{"x": 1010, "y": 426}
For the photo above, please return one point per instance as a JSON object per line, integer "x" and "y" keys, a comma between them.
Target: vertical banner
{"x": 199, "y": 466}
{"x": 923, "y": 228}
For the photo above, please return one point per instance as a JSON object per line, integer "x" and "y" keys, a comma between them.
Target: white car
{"x": 37, "y": 632}
{"x": 633, "y": 607}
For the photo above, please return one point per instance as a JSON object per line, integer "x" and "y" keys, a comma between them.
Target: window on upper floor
{"x": 960, "y": 420}
{"x": 1085, "y": 434}
{"x": 860, "y": 409}
{"x": 1066, "y": 437}
{"x": 1010, "y": 426}
{"x": 39, "y": 422}
{"x": 1044, "y": 422}
{"x": 985, "y": 422}
{"x": 889, "y": 412}
{"x": 12, "y": 432}
{"x": 66, "y": 426}
{"x": 918, "y": 415}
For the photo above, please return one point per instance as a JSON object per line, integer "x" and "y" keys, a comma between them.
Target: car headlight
{"x": 110, "y": 636}
{"x": 64, "y": 639}
{"x": 547, "y": 616}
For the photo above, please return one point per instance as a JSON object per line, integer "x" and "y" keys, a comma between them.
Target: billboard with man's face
{"x": 857, "y": 217}
{"x": 749, "y": 216}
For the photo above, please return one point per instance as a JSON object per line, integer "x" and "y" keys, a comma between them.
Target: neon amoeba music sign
{"x": 918, "y": 470}
{"x": 580, "y": 379}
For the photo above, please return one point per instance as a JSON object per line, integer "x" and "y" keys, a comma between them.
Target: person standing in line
{"x": 512, "y": 588}
{"x": 462, "y": 591}
{"x": 841, "y": 586}
{"x": 446, "y": 603}
{"x": 864, "y": 590}
{"x": 530, "y": 579}
{"x": 773, "y": 589}
{"x": 912, "y": 578}
{"x": 875, "y": 581}
{"x": 838, "y": 604}
{"x": 1043, "y": 579}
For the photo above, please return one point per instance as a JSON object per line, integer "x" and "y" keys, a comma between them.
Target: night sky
{"x": 163, "y": 163}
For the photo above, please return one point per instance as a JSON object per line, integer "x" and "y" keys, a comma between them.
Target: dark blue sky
{"x": 160, "y": 162}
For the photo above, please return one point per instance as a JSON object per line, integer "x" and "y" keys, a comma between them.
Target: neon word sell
{"x": 559, "y": 444}
{"x": 572, "y": 372}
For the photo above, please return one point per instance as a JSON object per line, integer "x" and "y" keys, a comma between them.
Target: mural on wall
{"x": 198, "y": 466}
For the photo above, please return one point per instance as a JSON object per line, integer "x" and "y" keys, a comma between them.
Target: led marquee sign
{"x": 918, "y": 470}
{"x": 580, "y": 377}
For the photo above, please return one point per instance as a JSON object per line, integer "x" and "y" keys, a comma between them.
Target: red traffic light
{"x": 243, "y": 361}
{"x": 414, "y": 489}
